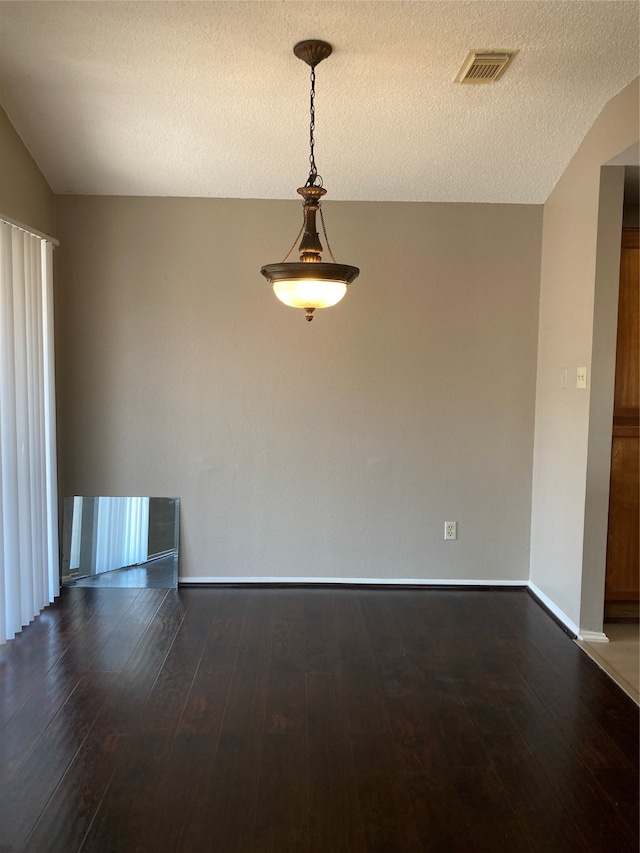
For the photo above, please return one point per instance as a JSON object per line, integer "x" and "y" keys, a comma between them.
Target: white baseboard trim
{"x": 592, "y": 636}
{"x": 559, "y": 614}
{"x": 354, "y": 581}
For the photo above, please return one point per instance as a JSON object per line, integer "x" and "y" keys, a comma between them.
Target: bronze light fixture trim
{"x": 310, "y": 283}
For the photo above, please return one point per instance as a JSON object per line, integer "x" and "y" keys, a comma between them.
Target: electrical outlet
{"x": 451, "y": 530}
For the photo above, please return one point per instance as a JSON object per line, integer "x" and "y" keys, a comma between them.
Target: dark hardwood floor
{"x": 316, "y": 719}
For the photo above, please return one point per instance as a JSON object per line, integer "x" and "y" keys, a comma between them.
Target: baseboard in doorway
{"x": 592, "y": 637}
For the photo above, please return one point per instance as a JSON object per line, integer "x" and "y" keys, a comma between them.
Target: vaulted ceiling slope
{"x": 207, "y": 99}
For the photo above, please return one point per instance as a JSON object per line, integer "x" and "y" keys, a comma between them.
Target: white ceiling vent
{"x": 484, "y": 66}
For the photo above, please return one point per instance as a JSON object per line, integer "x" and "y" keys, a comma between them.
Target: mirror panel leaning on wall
{"x": 120, "y": 542}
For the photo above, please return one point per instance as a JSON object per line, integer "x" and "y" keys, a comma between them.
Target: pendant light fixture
{"x": 310, "y": 283}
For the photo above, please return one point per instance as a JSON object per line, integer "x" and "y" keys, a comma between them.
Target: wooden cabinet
{"x": 622, "y": 588}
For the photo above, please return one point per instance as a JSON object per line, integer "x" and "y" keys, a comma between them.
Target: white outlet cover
{"x": 450, "y": 530}
{"x": 581, "y": 379}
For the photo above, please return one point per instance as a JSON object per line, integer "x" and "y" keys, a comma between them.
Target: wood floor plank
{"x": 164, "y": 706}
{"x": 122, "y": 816}
{"x": 601, "y": 697}
{"x": 123, "y": 704}
{"x": 333, "y": 810}
{"x": 286, "y": 630}
{"x": 167, "y": 809}
{"x": 286, "y": 707}
{"x": 68, "y": 814}
{"x": 83, "y": 647}
{"x": 435, "y": 707}
{"x": 620, "y": 787}
{"x": 321, "y": 652}
{"x": 610, "y": 707}
{"x": 280, "y": 815}
{"x": 385, "y": 640}
{"x": 600, "y": 824}
{"x": 416, "y": 701}
{"x": 384, "y": 804}
{"x": 221, "y": 814}
{"x": 592, "y": 743}
{"x": 46, "y": 764}
{"x": 488, "y": 813}
{"x": 354, "y": 646}
{"x": 23, "y": 678}
{"x": 205, "y": 703}
{"x": 279, "y": 820}
{"x": 117, "y": 602}
{"x": 593, "y": 814}
{"x": 545, "y": 820}
{"x": 113, "y": 655}
{"x": 26, "y": 727}
{"x": 435, "y": 805}
{"x": 27, "y": 644}
{"x": 363, "y": 693}
{"x": 254, "y": 646}
{"x": 223, "y": 638}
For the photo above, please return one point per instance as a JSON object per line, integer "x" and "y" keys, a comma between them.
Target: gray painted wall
{"x": 335, "y": 449}
{"x": 571, "y": 335}
{"x": 24, "y": 194}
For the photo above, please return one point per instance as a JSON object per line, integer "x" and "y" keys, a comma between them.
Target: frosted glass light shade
{"x": 309, "y": 293}
{"x": 309, "y": 285}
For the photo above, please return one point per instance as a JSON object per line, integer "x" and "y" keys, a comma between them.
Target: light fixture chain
{"x": 295, "y": 242}
{"x": 313, "y": 174}
{"x": 324, "y": 231}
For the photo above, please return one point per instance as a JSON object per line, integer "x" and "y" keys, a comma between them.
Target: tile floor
{"x": 620, "y": 657}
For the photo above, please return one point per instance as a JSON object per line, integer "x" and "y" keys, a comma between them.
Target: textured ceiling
{"x": 207, "y": 99}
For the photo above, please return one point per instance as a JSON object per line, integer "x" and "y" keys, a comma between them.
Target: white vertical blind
{"x": 76, "y": 534}
{"x": 123, "y": 533}
{"x": 29, "y": 576}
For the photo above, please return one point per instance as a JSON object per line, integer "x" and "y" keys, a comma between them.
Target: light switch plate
{"x": 581, "y": 381}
